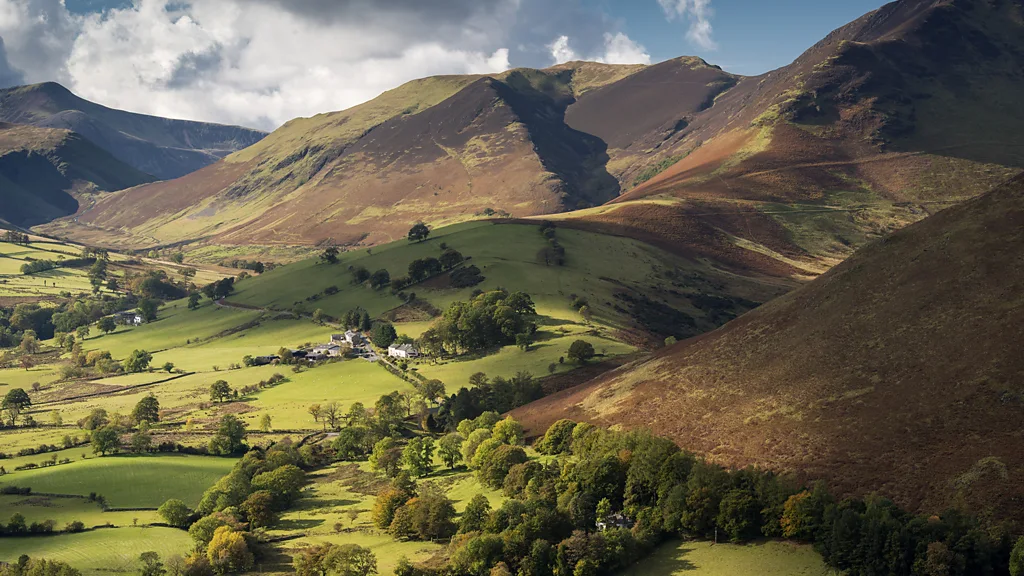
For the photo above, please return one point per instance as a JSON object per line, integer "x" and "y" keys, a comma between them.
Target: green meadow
{"x": 710, "y": 559}
{"x": 128, "y": 481}
{"x": 99, "y": 551}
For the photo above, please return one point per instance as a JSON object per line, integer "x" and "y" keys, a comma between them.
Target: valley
{"x": 592, "y": 319}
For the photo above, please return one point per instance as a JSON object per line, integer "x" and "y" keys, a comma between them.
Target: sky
{"x": 260, "y": 63}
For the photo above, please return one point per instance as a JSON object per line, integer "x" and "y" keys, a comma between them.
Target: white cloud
{"x": 618, "y": 49}
{"x": 257, "y": 63}
{"x": 698, "y": 13}
{"x": 561, "y": 52}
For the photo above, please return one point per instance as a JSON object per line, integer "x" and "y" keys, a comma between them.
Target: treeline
{"x": 14, "y": 237}
{"x": 488, "y": 320}
{"x": 67, "y": 317}
{"x": 609, "y": 498}
{"x": 553, "y": 254}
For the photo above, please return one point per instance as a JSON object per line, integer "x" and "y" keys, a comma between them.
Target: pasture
{"x": 710, "y": 559}
{"x": 128, "y": 481}
{"x": 99, "y": 551}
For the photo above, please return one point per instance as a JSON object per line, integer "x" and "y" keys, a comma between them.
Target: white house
{"x": 129, "y": 318}
{"x": 351, "y": 337}
{"x": 403, "y": 351}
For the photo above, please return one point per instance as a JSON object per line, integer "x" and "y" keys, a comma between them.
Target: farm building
{"x": 128, "y": 318}
{"x": 327, "y": 350}
{"x": 403, "y": 351}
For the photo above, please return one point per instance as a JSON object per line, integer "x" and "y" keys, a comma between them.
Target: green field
{"x": 99, "y": 551}
{"x": 709, "y": 559}
{"x": 129, "y": 481}
{"x": 65, "y": 510}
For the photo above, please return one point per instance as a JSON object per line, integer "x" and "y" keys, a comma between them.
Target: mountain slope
{"x": 899, "y": 370}
{"x": 162, "y": 147}
{"x": 902, "y": 112}
{"x": 42, "y": 171}
{"x": 440, "y": 149}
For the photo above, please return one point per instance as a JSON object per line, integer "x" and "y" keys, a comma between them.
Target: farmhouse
{"x": 327, "y": 350}
{"x": 264, "y": 360}
{"x": 350, "y": 337}
{"x": 128, "y": 318}
{"x": 617, "y": 520}
{"x": 403, "y": 351}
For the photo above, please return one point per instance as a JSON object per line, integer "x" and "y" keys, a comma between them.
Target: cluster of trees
{"x": 226, "y": 525}
{"x": 252, "y": 265}
{"x": 107, "y": 431}
{"x": 219, "y": 289}
{"x": 37, "y": 266}
{"x": 357, "y": 320}
{"x": 609, "y": 498}
{"x": 553, "y": 254}
{"x": 14, "y": 237}
{"x": 485, "y": 394}
{"x": 376, "y": 280}
{"x": 490, "y": 446}
{"x": 46, "y": 322}
{"x": 344, "y": 560}
{"x": 488, "y": 320}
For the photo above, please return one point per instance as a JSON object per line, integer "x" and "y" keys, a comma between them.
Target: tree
{"x": 319, "y": 315}
{"x": 220, "y": 391}
{"x": 141, "y": 442}
{"x": 329, "y": 255}
{"x": 265, "y": 423}
{"x": 230, "y": 436}
{"x": 494, "y": 466}
{"x": 380, "y": 279}
{"x": 418, "y": 455}
{"x": 147, "y": 309}
{"x": 739, "y": 515}
{"x": 581, "y": 351}
{"x": 175, "y": 512}
{"x": 107, "y": 325}
{"x": 228, "y": 553}
{"x": 82, "y": 332}
{"x": 432, "y": 390}
{"x": 284, "y": 484}
{"x": 383, "y": 335}
{"x": 15, "y": 401}
{"x": 388, "y": 501}
{"x": 138, "y": 361}
{"x": 475, "y": 516}
{"x": 386, "y": 456}
{"x": 105, "y": 439}
{"x": 450, "y": 449}
{"x": 193, "y": 300}
{"x": 29, "y": 342}
{"x": 147, "y": 410}
{"x": 508, "y": 431}
{"x": 259, "y": 509}
{"x": 450, "y": 259}
{"x": 315, "y": 410}
{"x": 1017, "y": 558}
{"x": 419, "y": 232}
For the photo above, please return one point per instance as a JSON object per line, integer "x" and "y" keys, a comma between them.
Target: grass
{"x": 65, "y": 510}
{"x": 343, "y": 382}
{"x": 709, "y": 559}
{"x": 129, "y": 481}
{"x": 99, "y": 551}
{"x": 511, "y": 359}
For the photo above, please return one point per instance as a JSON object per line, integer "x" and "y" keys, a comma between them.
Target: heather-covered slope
{"x": 43, "y": 171}
{"x": 162, "y": 147}
{"x": 898, "y": 371}
{"x": 440, "y": 149}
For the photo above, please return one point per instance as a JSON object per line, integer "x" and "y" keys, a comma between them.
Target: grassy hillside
{"x": 161, "y": 147}
{"x": 896, "y": 371}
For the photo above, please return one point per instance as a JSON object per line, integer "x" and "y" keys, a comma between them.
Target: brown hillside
{"x": 898, "y": 371}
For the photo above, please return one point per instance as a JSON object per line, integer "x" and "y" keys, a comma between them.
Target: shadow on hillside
{"x": 289, "y": 525}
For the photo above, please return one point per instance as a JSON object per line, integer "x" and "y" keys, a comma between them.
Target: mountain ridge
{"x": 165, "y": 148}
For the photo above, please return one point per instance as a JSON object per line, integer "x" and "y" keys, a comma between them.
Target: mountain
{"x": 43, "y": 172}
{"x": 162, "y": 147}
{"x": 899, "y": 371}
{"x": 907, "y": 110}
